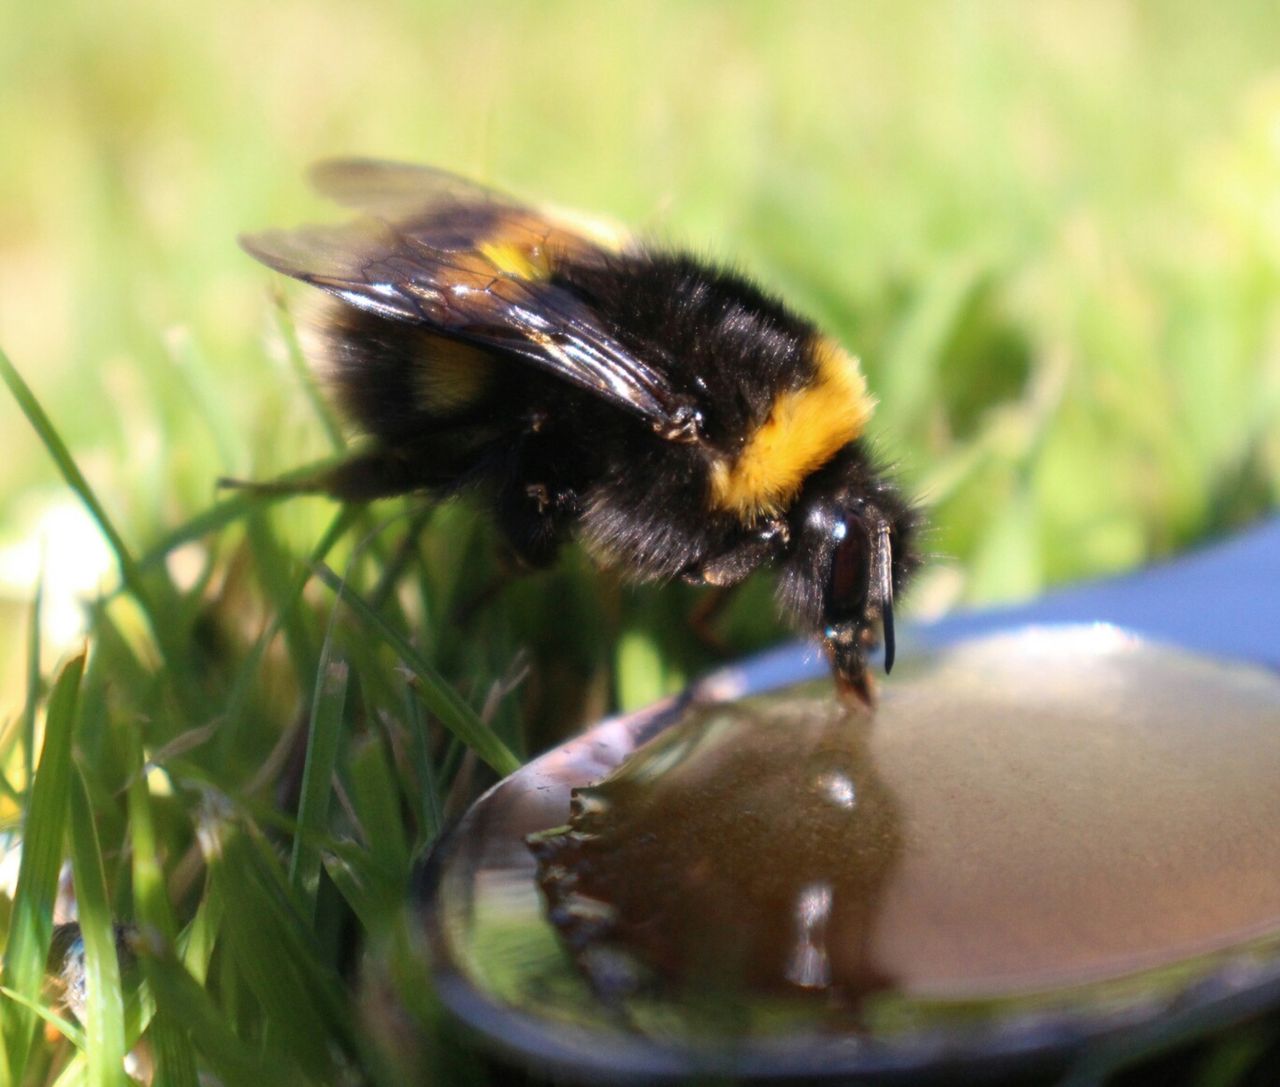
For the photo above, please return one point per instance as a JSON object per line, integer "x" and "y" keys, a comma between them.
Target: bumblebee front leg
{"x": 536, "y": 517}
{"x": 702, "y": 618}
{"x": 534, "y": 522}
{"x": 536, "y": 500}
{"x": 726, "y": 572}
{"x": 761, "y": 546}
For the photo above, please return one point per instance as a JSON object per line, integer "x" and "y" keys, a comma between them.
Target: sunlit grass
{"x": 1050, "y": 231}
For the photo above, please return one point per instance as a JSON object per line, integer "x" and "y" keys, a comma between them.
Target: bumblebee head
{"x": 852, "y": 548}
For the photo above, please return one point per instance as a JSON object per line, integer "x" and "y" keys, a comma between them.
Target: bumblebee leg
{"x": 379, "y": 473}
{"x": 532, "y": 540}
{"x": 535, "y": 518}
{"x": 363, "y": 477}
{"x": 534, "y": 521}
{"x": 725, "y": 573}
{"x": 763, "y": 546}
{"x": 709, "y": 608}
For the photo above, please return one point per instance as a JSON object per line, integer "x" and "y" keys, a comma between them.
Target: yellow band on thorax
{"x": 805, "y": 429}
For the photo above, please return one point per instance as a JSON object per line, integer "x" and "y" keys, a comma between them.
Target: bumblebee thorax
{"x": 804, "y": 429}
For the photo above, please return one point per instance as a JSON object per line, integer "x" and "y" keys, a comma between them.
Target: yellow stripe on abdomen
{"x": 450, "y": 376}
{"x": 805, "y": 429}
{"x": 521, "y": 261}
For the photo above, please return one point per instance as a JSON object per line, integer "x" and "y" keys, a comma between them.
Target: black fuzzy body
{"x": 554, "y": 460}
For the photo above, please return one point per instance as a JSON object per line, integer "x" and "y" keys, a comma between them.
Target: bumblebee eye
{"x": 850, "y": 574}
{"x": 860, "y": 584}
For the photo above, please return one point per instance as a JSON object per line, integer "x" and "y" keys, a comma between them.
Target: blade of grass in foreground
{"x": 317, "y": 776}
{"x": 33, "y": 683}
{"x": 285, "y": 602}
{"x": 104, "y": 1008}
{"x": 31, "y": 924}
{"x": 304, "y": 1009}
{"x": 175, "y": 1060}
{"x": 235, "y": 1063}
{"x": 375, "y": 796}
{"x": 431, "y": 812}
{"x": 62, "y": 1025}
{"x": 75, "y": 1073}
{"x": 458, "y": 717}
{"x": 273, "y": 570}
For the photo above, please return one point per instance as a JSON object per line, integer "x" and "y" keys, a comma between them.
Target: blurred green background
{"x": 1051, "y": 231}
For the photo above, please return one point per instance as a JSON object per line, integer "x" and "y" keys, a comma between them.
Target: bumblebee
{"x": 674, "y": 417}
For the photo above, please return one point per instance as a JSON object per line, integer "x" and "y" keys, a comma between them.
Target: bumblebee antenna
{"x": 883, "y": 560}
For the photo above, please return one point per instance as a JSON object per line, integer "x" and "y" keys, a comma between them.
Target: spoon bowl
{"x": 1042, "y": 839}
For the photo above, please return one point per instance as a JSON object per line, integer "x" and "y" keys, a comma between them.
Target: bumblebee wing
{"x": 380, "y": 187}
{"x": 475, "y": 265}
{"x": 398, "y": 191}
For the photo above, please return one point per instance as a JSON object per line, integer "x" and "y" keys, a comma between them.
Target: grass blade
{"x": 239, "y": 505}
{"x": 61, "y": 1024}
{"x": 274, "y": 567}
{"x": 175, "y": 1059}
{"x": 431, "y": 810}
{"x": 31, "y": 924}
{"x": 33, "y": 683}
{"x": 305, "y": 1010}
{"x": 325, "y": 734}
{"x": 458, "y": 717}
{"x": 239, "y": 696}
{"x": 364, "y": 886}
{"x": 104, "y": 1007}
{"x": 198, "y": 940}
{"x": 235, "y": 1062}
{"x": 376, "y": 796}
{"x": 158, "y": 600}
{"x": 75, "y": 1074}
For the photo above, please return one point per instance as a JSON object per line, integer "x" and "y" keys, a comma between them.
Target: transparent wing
{"x": 392, "y": 189}
{"x": 474, "y": 264}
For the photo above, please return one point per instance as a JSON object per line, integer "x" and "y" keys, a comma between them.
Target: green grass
{"x": 1049, "y": 230}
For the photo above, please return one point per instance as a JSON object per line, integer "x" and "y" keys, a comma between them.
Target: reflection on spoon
{"x": 746, "y": 846}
